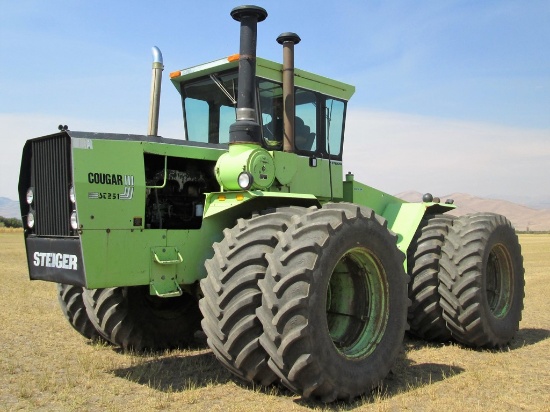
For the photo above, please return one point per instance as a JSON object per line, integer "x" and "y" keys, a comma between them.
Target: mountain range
{"x": 523, "y": 218}
{"x": 9, "y": 208}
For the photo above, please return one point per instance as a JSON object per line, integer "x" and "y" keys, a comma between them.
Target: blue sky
{"x": 452, "y": 96}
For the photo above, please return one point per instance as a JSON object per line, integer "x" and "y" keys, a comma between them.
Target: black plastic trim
{"x": 56, "y": 260}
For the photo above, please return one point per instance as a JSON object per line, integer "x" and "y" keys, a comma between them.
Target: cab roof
{"x": 269, "y": 70}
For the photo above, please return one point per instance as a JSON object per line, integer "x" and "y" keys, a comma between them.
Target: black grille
{"x": 51, "y": 179}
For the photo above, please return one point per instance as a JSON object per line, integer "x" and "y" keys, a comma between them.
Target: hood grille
{"x": 51, "y": 179}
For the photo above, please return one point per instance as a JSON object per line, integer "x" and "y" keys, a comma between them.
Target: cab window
{"x": 305, "y": 123}
{"x": 271, "y": 109}
{"x": 334, "y": 126}
{"x": 209, "y": 105}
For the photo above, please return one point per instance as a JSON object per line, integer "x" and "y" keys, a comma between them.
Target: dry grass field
{"x": 45, "y": 365}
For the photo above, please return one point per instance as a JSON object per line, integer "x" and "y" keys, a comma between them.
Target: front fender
{"x": 254, "y": 200}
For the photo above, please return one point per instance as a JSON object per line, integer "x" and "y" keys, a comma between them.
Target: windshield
{"x": 209, "y": 107}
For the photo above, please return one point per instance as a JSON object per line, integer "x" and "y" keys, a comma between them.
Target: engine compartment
{"x": 175, "y": 189}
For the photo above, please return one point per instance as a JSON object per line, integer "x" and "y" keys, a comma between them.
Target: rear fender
{"x": 404, "y": 219}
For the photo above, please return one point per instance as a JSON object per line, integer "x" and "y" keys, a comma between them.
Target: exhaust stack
{"x": 288, "y": 40}
{"x": 156, "y": 79}
{"x": 246, "y": 129}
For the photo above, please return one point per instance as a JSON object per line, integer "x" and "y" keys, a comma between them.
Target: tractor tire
{"x": 72, "y": 304}
{"x": 482, "y": 280}
{"x": 90, "y": 296}
{"x": 131, "y": 318}
{"x": 425, "y": 314}
{"x": 334, "y": 307}
{"x": 231, "y": 293}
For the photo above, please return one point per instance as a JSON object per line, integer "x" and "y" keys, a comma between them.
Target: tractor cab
{"x": 209, "y": 100}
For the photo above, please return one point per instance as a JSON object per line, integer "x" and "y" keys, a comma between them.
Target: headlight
{"x": 74, "y": 221}
{"x": 72, "y": 195}
{"x": 30, "y": 195}
{"x": 245, "y": 180}
{"x": 30, "y": 220}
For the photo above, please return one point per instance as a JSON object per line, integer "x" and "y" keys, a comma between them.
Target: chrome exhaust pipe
{"x": 156, "y": 79}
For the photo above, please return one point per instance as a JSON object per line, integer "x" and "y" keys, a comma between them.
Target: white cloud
{"x": 396, "y": 152}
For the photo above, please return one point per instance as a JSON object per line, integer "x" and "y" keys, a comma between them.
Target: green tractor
{"x": 249, "y": 230}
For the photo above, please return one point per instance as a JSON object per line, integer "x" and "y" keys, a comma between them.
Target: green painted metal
{"x": 108, "y": 181}
{"x": 183, "y": 151}
{"x": 306, "y": 80}
{"x": 125, "y": 258}
{"x": 222, "y": 202}
{"x": 164, "y": 280}
{"x": 499, "y": 281}
{"x": 286, "y": 166}
{"x": 114, "y": 206}
{"x": 356, "y": 192}
{"x": 116, "y": 251}
{"x": 245, "y": 158}
{"x": 293, "y": 173}
{"x": 403, "y": 217}
{"x": 296, "y": 174}
{"x": 119, "y": 257}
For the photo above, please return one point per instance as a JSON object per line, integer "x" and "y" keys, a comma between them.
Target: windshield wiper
{"x": 219, "y": 83}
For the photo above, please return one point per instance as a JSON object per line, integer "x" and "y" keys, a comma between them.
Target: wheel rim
{"x": 357, "y": 304}
{"x": 498, "y": 288}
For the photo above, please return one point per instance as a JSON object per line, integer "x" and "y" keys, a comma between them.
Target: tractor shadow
{"x": 197, "y": 367}
{"x": 527, "y": 337}
{"x": 175, "y": 372}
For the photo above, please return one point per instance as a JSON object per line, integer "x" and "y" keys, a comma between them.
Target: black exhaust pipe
{"x": 247, "y": 129}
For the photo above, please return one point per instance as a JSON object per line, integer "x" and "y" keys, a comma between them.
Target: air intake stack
{"x": 288, "y": 40}
{"x": 247, "y": 129}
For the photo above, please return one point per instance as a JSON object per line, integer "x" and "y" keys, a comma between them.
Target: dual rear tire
{"x": 467, "y": 280}
{"x": 482, "y": 281}
{"x": 330, "y": 301}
